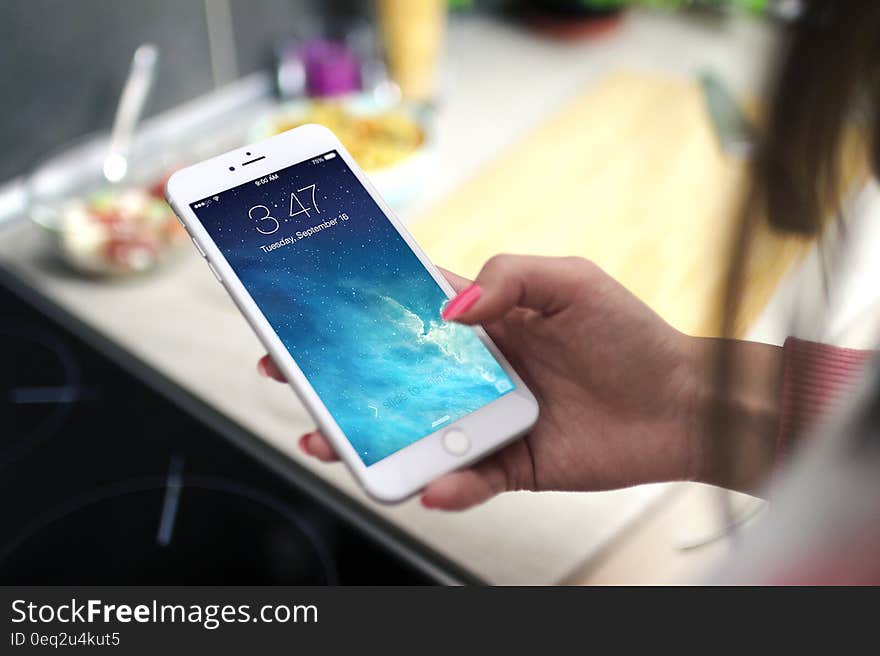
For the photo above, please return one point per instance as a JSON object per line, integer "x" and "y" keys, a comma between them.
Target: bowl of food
{"x": 103, "y": 228}
{"x": 390, "y": 143}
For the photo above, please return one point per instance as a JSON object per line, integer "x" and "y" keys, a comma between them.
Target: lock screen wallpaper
{"x": 352, "y": 304}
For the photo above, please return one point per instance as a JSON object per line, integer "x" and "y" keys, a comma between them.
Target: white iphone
{"x": 348, "y": 306}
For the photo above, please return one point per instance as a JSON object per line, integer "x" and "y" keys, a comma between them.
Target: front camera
{"x": 231, "y": 168}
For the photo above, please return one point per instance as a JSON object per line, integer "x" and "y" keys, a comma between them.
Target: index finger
{"x": 458, "y": 282}
{"x": 544, "y": 284}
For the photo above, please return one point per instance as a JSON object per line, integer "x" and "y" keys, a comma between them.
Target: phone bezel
{"x": 405, "y": 472}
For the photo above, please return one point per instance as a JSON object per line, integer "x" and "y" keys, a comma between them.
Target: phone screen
{"x": 352, "y": 303}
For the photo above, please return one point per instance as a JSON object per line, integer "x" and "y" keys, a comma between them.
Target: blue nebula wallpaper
{"x": 353, "y": 305}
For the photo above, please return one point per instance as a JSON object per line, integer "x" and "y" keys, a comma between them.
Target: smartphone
{"x": 348, "y": 306}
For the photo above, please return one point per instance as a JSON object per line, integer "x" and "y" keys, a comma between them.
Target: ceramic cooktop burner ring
{"x": 60, "y": 396}
{"x": 127, "y": 490}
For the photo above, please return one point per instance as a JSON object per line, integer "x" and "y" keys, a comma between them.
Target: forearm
{"x": 750, "y": 419}
{"x": 736, "y": 419}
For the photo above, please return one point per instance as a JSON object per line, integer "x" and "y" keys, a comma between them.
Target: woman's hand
{"x": 618, "y": 387}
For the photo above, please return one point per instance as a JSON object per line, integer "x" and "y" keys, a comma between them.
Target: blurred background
{"x": 138, "y": 444}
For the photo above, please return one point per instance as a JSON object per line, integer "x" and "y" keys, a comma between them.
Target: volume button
{"x": 198, "y": 247}
{"x": 214, "y": 271}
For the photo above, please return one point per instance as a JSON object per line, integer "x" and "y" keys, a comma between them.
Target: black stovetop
{"x": 103, "y": 481}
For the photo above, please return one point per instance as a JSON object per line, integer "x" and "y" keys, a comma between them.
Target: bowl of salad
{"x": 102, "y": 228}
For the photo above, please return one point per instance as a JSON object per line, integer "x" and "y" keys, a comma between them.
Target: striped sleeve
{"x": 815, "y": 377}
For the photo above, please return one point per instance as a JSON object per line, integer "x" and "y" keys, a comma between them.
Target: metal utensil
{"x": 131, "y": 104}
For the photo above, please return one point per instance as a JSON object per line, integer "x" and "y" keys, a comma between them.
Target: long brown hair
{"x": 826, "y": 98}
{"x": 829, "y": 80}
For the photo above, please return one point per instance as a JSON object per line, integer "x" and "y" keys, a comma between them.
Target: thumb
{"x": 544, "y": 284}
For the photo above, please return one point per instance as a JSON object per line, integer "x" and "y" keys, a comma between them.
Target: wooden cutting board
{"x": 630, "y": 175}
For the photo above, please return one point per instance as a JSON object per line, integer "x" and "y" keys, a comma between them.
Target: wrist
{"x": 735, "y": 408}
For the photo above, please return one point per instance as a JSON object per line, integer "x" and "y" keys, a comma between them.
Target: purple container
{"x": 331, "y": 68}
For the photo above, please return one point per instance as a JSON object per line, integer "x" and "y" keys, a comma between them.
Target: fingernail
{"x": 462, "y": 302}
{"x": 425, "y": 502}
{"x": 261, "y": 368}
{"x": 304, "y": 444}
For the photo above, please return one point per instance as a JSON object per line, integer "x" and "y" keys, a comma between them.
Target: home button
{"x": 456, "y": 442}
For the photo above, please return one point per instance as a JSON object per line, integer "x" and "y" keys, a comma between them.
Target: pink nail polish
{"x": 261, "y": 368}
{"x": 425, "y": 503}
{"x": 304, "y": 444}
{"x": 462, "y": 302}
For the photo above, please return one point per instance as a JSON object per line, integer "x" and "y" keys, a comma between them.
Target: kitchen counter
{"x": 180, "y": 330}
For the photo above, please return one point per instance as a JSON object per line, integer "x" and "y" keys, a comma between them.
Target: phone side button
{"x": 177, "y": 213}
{"x": 198, "y": 247}
{"x": 456, "y": 442}
{"x": 214, "y": 271}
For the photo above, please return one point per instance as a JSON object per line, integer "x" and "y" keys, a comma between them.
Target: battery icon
{"x": 329, "y": 156}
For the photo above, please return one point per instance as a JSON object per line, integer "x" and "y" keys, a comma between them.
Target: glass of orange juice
{"x": 412, "y": 36}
